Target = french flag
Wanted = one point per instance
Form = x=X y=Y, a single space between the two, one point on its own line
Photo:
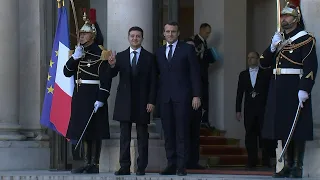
x=56 y=108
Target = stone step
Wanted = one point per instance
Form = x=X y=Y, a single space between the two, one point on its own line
x=209 y=132
x=221 y=150
x=218 y=140
x=193 y=174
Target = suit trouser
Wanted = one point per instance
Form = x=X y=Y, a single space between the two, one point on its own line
x=253 y=136
x=175 y=124
x=125 y=139
x=205 y=98
x=194 y=139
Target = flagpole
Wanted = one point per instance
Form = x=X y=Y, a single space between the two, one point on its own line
x=278 y=16
x=75 y=21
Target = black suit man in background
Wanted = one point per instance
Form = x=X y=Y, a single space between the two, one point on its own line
x=254 y=83
x=200 y=42
x=135 y=100
x=180 y=91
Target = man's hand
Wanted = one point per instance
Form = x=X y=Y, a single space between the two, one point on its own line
x=112 y=59
x=303 y=96
x=150 y=108
x=196 y=103
x=97 y=105
x=78 y=53
x=239 y=116
x=276 y=39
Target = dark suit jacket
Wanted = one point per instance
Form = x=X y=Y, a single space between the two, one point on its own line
x=145 y=82
x=255 y=105
x=179 y=78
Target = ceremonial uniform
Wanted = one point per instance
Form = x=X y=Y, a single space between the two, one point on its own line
x=92 y=74
x=294 y=70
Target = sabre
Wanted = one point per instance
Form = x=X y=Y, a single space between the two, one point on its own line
x=75 y=20
x=290 y=134
x=84 y=130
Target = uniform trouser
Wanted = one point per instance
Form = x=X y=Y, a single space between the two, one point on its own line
x=253 y=141
x=194 y=137
x=92 y=150
x=293 y=159
x=125 y=139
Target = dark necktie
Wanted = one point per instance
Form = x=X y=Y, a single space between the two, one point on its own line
x=134 y=62
x=170 y=53
x=205 y=44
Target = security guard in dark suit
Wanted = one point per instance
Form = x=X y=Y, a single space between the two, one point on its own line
x=292 y=56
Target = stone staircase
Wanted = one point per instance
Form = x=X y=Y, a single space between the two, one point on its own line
x=218 y=151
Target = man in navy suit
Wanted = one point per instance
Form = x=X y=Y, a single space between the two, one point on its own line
x=180 y=90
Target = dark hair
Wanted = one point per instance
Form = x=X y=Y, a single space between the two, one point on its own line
x=255 y=52
x=135 y=28
x=204 y=25
x=172 y=23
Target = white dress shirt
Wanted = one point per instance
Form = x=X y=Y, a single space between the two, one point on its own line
x=253 y=75
x=137 y=55
x=174 y=45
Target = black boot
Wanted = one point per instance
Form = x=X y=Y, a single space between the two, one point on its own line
x=87 y=148
x=299 y=148
x=288 y=160
x=96 y=150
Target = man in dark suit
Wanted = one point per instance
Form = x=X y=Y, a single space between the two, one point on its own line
x=200 y=42
x=180 y=90
x=254 y=83
x=135 y=98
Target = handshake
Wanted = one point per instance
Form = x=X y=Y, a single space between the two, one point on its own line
x=276 y=39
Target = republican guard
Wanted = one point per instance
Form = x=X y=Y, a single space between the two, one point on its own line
x=89 y=67
x=292 y=55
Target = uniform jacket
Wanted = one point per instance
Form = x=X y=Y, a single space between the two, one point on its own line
x=90 y=67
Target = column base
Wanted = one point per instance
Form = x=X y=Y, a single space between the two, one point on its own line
x=9 y=132
x=24 y=155
x=311 y=163
x=35 y=134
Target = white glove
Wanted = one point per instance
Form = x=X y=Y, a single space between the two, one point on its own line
x=78 y=53
x=276 y=39
x=303 y=96
x=97 y=105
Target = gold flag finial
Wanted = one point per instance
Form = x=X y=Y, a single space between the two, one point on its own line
x=59 y=3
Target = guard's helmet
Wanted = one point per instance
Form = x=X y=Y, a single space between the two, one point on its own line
x=293 y=9
x=89 y=26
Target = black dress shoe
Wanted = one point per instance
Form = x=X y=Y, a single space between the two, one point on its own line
x=140 y=172
x=80 y=170
x=92 y=169
x=181 y=172
x=169 y=170
x=122 y=172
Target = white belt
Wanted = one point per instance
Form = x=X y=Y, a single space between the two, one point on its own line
x=279 y=71
x=81 y=81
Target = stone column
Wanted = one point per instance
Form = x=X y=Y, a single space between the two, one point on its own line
x=9 y=70
x=33 y=58
x=310 y=14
